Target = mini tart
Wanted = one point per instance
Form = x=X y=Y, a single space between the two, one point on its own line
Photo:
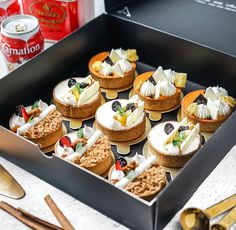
x=162 y=103
x=81 y=112
x=105 y=114
x=114 y=81
x=146 y=185
x=46 y=132
x=97 y=158
x=155 y=143
x=206 y=125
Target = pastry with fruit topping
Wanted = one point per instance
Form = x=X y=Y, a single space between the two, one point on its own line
x=144 y=178
x=122 y=120
x=114 y=69
x=175 y=143
x=88 y=148
x=77 y=97
x=210 y=107
x=39 y=123
x=160 y=90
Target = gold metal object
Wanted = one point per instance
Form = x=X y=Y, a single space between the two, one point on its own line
x=9 y=186
x=226 y=222
x=197 y=219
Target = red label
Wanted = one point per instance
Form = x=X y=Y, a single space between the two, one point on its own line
x=17 y=51
x=8 y=8
x=56 y=18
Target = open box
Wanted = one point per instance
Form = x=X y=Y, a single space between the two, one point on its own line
x=37 y=78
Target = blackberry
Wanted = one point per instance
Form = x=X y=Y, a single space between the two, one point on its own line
x=115 y=105
x=168 y=128
x=71 y=82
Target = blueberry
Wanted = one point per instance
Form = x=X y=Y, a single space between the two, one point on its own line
x=152 y=80
x=115 y=105
x=183 y=128
x=130 y=106
x=83 y=85
x=168 y=128
x=122 y=161
x=108 y=60
x=71 y=82
x=200 y=100
x=18 y=111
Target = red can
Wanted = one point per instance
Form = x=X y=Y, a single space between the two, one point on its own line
x=57 y=18
x=21 y=39
x=8 y=8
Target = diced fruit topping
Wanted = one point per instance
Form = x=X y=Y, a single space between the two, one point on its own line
x=116 y=105
x=108 y=61
x=18 y=111
x=123 y=161
x=96 y=66
x=24 y=113
x=200 y=100
x=65 y=142
x=35 y=105
x=71 y=82
x=118 y=166
x=192 y=108
x=183 y=128
x=152 y=80
x=229 y=100
x=131 y=55
x=180 y=80
x=130 y=106
x=76 y=93
x=168 y=128
x=121 y=118
x=138 y=85
x=83 y=85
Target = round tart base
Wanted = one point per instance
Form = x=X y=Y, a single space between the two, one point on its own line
x=125 y=134
x=206 y=125
x=160 y=104
x=114 y=81
x=81 y=112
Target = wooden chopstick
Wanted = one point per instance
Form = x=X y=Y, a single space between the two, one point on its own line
x=41 y=221
x=21 y=217
x=58 y=213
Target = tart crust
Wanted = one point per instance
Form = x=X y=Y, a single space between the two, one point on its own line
x=162 y=103
x=114 y=81
x=82 y=111
x=46 y=132
x=206 y=125
x=124 y=134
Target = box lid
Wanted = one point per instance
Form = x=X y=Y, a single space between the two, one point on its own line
x=207 y=22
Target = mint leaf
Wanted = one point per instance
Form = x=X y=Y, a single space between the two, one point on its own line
x=120 y=111
x=177 y=141
x=30 y=119
x=35 y=105
x=80 y=133
x=78 y=146
x=77 y=86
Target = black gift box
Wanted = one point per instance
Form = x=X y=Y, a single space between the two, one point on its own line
x=129 y=24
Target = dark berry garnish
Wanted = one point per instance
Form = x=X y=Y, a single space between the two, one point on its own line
x=183 y=128
x=118 y=166
x=200 y=100
x=83 y=85
x=115 y=106
x=203 y=140
x=65 y=142
x=18 y=111
x=152 y=80
x=130 y=106
x=168 y=128
x=122 y=161
x=108 y=60
x=24 y=113
x=71 y=82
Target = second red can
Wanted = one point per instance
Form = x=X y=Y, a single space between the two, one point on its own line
x=57 y=18
x=8 y=8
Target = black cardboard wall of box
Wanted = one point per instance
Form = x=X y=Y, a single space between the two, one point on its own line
x=37 y=78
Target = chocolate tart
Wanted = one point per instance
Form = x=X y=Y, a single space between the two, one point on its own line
x=162 y=103
x=206 y=125
x=112 y=81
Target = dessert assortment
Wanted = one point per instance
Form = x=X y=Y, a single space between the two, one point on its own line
x=210 y=107
x=144 y=178
x=40 y=123
x=160 y=90
x=114 y=69
x=170 y=144
x=86 y=147
x=77 y=97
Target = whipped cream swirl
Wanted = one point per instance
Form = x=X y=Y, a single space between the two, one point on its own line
x=167 y=89
x=202 y=112
x=105 y=69
x=170 y=75
x=223 y=108
x=147 y=89
x=125 y=65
